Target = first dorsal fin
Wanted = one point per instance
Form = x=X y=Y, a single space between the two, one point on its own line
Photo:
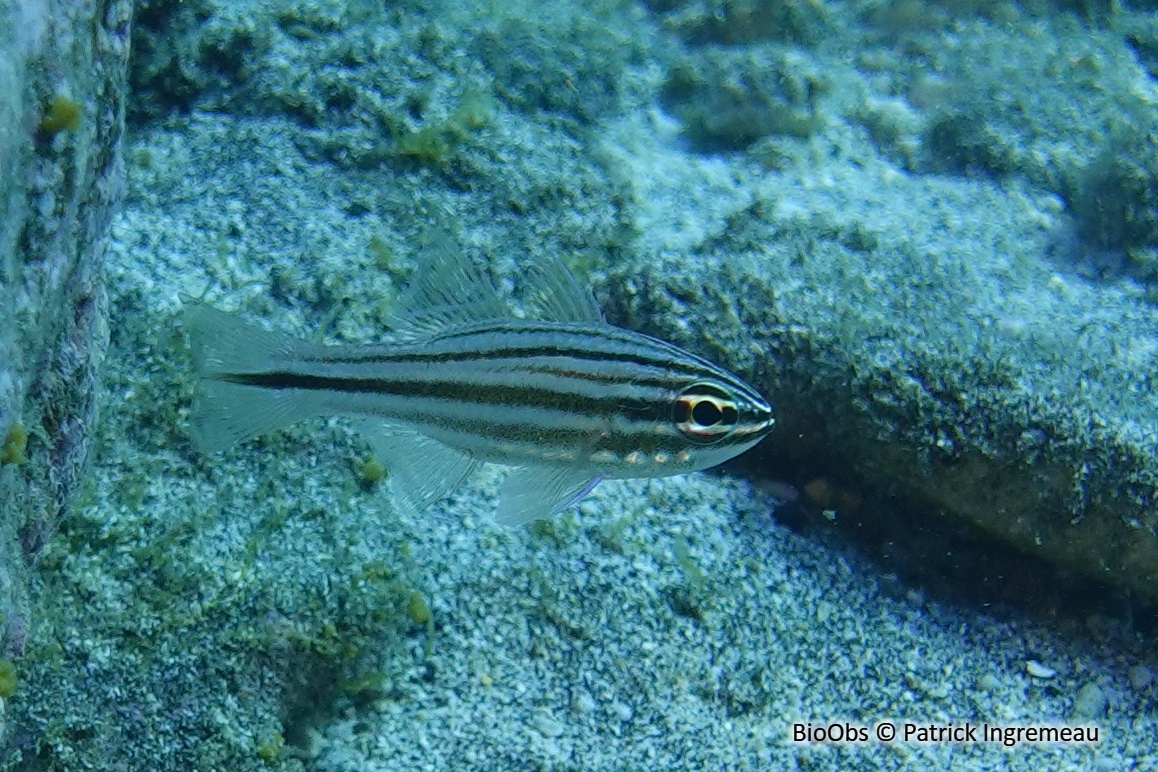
x=448 y=290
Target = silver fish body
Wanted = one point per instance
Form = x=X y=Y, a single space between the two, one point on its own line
x=564 y=401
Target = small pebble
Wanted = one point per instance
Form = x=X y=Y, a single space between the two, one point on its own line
x=1140 y=676
x=1090 y=702
x=582 y=703
x=545 y=724
x=988 y=683
x=1038 y=670
x=621 y=711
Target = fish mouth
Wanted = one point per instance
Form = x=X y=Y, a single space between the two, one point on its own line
x=757 y=428
x=769 y=419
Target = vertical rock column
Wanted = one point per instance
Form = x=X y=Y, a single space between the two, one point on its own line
x=63 y=85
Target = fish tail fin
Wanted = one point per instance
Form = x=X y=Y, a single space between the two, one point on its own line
x=226 y=411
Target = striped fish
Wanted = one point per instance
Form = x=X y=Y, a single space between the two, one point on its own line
x=562 y=397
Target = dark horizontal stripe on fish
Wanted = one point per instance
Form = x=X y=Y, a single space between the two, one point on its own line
x=464 y=392
x=670 y=373
x=579 y=378
x=560 y=427
x=514 y=357
x=575 y=433
x=542 y=430
x=558 y=340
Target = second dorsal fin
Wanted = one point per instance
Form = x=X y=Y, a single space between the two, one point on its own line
x=551 y=292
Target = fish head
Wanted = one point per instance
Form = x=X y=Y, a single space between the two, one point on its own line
x=719 y=418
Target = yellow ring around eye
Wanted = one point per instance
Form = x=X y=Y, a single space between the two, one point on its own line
x=684 y=413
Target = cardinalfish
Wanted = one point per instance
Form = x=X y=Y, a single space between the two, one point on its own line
x=560 y=396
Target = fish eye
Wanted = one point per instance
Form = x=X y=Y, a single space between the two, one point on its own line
x=704 y=412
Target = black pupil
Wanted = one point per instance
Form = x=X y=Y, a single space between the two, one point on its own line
x=706 y=413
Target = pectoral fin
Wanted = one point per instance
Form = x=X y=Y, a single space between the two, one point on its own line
x=422 y=470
